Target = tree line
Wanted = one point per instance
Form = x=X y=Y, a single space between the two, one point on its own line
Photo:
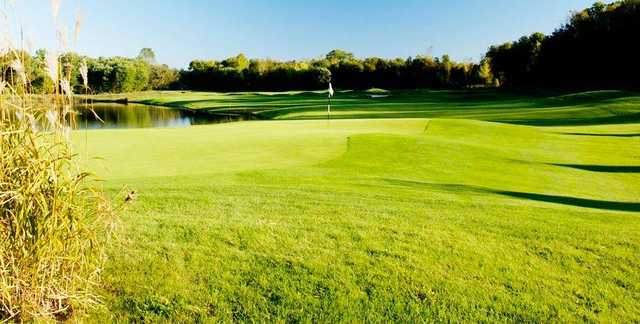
x=105 y=74
x=238 y=73
x=596 y=49
x=341 y=67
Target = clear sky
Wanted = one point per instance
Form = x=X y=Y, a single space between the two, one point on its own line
x=182 y=30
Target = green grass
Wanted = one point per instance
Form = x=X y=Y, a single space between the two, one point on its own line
x=380 y=219
x=543 y=109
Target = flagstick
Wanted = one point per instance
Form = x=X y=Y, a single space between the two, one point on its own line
x=329 y=95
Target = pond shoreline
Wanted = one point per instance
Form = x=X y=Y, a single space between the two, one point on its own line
x=112 y=114
x=246 y=115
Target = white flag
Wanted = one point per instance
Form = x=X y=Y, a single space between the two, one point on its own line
x=331 y=92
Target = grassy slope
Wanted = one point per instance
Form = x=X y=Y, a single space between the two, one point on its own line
x=490 y=105
x=375 y=219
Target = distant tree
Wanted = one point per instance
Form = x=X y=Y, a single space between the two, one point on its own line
x=594 y=50
x=319 y=77
x=33 y=68
x=118 y=74
x=482 y=74
x=514 y=63
x=162 y=77
x=444 y=72
x=348 y=73
x=239 y=62
x=70 y=69
x=147 y=55
x=238 y=73
x=336 y=56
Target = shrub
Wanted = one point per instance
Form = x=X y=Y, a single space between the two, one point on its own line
x=53 y=224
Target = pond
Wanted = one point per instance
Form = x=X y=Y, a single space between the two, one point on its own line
x=114 y=115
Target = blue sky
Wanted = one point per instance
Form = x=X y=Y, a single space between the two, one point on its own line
x=182 y=30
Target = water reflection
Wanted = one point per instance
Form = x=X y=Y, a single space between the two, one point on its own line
x=111 y=115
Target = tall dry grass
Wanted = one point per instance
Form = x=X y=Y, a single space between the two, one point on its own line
x=53 y=223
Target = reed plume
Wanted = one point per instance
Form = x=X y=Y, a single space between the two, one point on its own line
x=54 y=223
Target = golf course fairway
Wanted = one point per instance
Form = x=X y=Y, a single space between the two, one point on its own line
x=373 y=220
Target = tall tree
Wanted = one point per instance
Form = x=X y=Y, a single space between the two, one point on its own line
x=147 y=55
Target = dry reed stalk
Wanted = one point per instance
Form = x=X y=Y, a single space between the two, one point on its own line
x=53 y=223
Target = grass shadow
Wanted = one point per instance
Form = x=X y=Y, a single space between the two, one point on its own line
x=572 y=201
x=602 y=168
x=441 y=186
x=555 y=199
x=621 y=119
x=603 y=135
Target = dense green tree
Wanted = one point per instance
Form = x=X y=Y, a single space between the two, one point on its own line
x=118 y=74
x=343 y=68
x=337 y=56
x=514 y=63
x=239 y=62
x=596 y=49
x=482 y=75
x=162 y=77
